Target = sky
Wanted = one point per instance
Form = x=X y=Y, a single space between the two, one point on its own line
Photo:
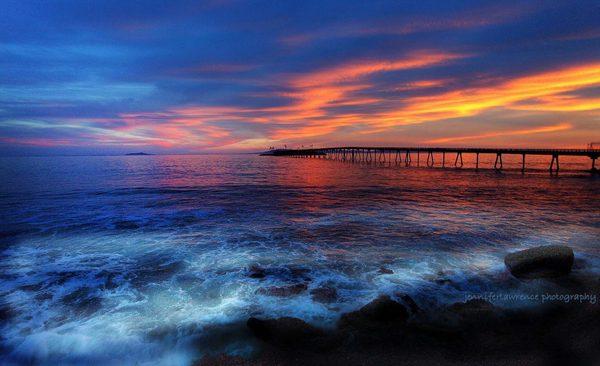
x=111 y=77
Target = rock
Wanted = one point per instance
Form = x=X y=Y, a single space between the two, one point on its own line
x=472 y=307
x=256 y=272
x=324 y=294
x=408 y=301
x=284 y=332
x=473 y=312
x=384 y=309
x=283 y=291
x=540 y=262
x=381 y=312
x=384 y=270
x=222 y=360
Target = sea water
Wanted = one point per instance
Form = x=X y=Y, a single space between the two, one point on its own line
x=148 y=259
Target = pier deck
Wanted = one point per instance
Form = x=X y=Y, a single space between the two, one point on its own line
x=405 y=154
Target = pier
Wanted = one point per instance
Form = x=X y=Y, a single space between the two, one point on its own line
x=424 y=156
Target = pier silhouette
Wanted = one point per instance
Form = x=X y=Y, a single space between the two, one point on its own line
x=412 y=156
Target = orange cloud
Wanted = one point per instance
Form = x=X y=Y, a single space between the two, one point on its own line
x=350 y=72
x=545 y=129
x=316 y=92
x=180 y=127
x=559 y=103
x=315 y=95
x=546 y=87
x=323 y=89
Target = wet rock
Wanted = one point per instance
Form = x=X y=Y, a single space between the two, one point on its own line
x=256 y=272
x=581 y=283
x=410 y=303
x=381 y=312
x=384 y=270
x=218 y=337
x=284 y=332
x=544 y=336
x=283 y=291
x=284 y=273
x=324 y=295
x=222 y=360
x=476 y=306
x=540 y=262
x=477 y=311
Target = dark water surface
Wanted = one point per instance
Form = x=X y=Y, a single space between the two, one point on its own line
x=145 y=259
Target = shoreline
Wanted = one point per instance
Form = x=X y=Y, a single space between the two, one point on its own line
x=562 y=328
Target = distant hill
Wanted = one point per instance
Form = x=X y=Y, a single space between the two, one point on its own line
x=138 y=153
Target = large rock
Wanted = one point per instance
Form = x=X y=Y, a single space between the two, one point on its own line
x=380 y=313
x=410 y=303
x=284 y=332
x=539 y=262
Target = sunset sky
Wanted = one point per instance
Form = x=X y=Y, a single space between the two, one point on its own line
x=104 y=77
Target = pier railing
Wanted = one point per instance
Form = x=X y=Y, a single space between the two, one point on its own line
x=406 y=155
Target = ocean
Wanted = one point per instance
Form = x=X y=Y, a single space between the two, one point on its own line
x=161 y=259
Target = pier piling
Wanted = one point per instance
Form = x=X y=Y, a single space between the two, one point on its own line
x=458 y=156
x=383 y=155
x=498 y=160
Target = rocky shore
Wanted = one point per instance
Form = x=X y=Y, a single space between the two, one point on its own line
x=394 y=330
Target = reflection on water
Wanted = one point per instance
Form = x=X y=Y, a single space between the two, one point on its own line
x=147 y=259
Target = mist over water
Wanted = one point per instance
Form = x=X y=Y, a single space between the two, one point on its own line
x=147 y=259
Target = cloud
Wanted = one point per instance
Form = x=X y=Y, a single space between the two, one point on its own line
x=465 y=19
x=538 y=130
x=183 y=76
x=510 y=94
